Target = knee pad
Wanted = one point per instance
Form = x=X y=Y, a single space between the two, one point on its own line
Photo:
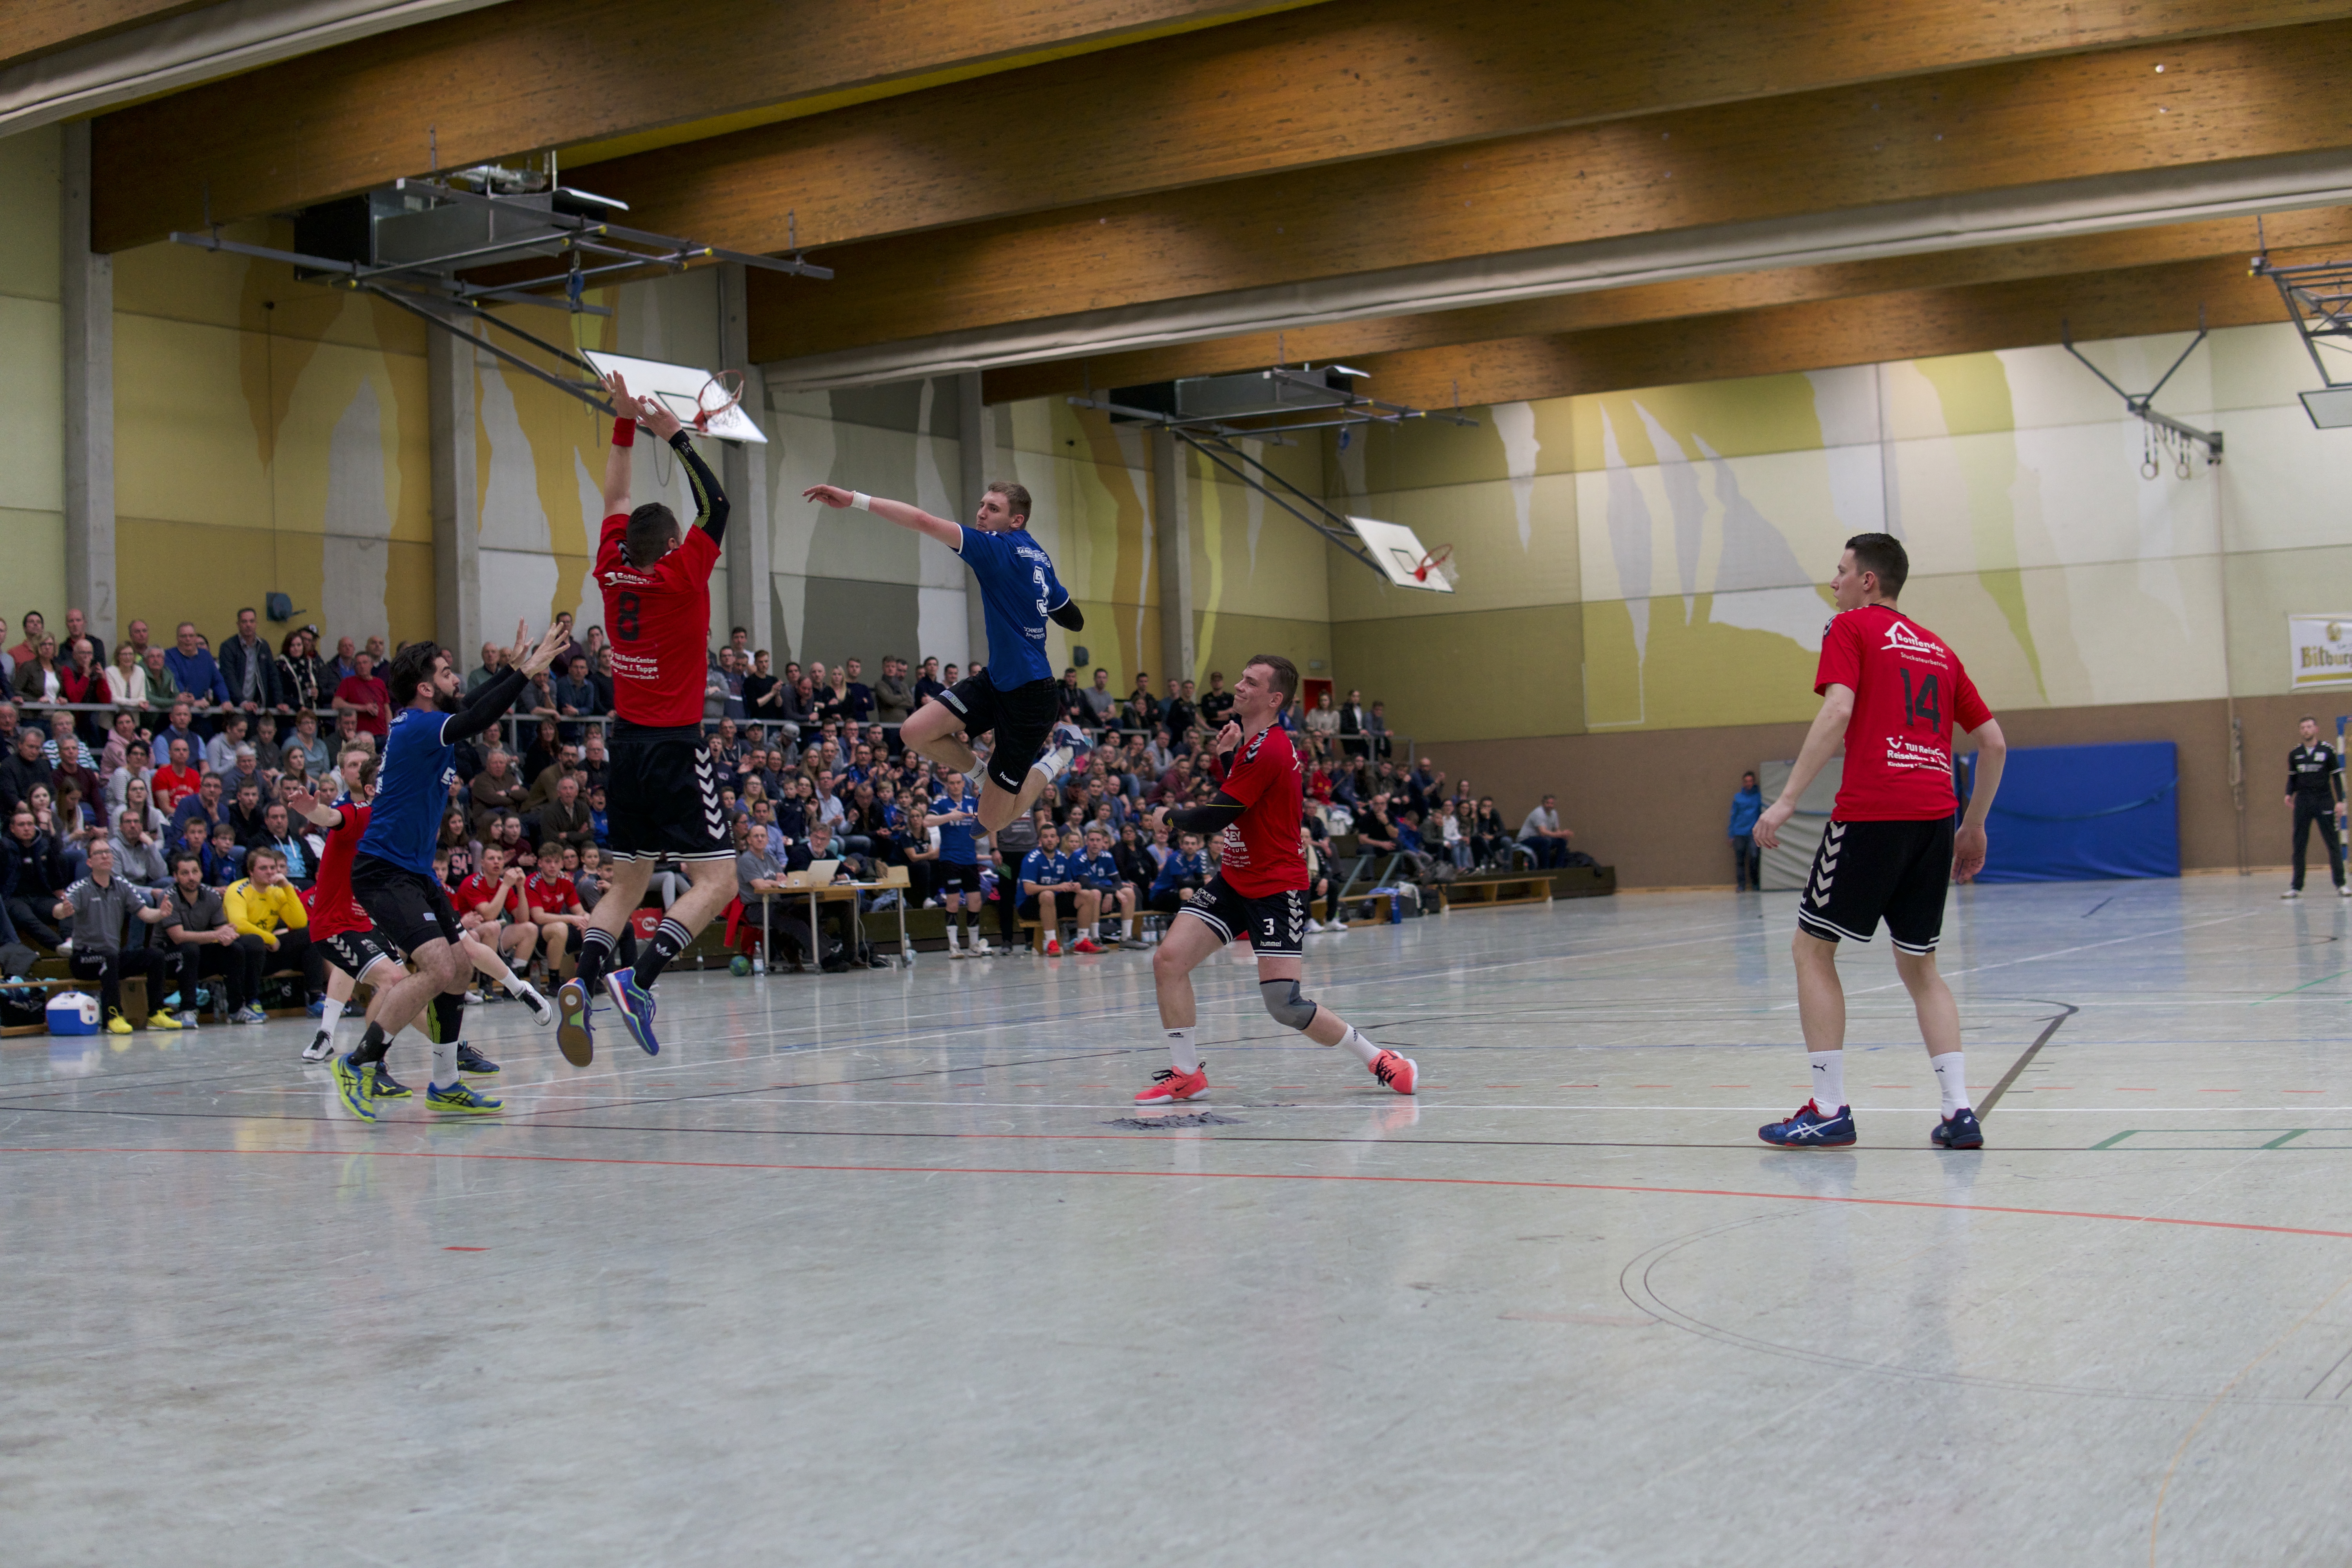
x=1287 y=1007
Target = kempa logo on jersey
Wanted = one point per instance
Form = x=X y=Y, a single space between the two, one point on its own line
x=1901 y=638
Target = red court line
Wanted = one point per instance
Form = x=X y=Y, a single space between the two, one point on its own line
x=1228 y=1176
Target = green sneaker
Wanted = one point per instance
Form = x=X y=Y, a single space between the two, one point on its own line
x=461 y=1100
x=351 y=1083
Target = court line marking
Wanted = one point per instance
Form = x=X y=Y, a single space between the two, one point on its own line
x=1222 y=1176
x=2032 y=1051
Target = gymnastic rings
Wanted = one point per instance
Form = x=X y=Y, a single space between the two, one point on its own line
x=2150 y=468
x=2183 y=470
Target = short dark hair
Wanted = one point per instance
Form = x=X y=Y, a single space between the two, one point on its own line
x=652 y=529
x=186 y=857
x=1883 y=555
x=1017 y=497
x=412 y=666
x=1286 y=674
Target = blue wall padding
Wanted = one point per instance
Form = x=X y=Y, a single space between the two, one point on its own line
x=2080 y=814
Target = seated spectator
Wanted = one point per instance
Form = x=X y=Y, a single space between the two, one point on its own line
x=552 y=894
x=457 y=843
x=161 y=687
x=33 y=872
x=544 y=751
x=268 y=753
x=22 y=770
x=247 y=818
x=71 y=770
x=277 y=833
x=179 y=774
x=118 y=742
x=137 y=855
x=597 y=818
x=565 y=820
x=136 y=798
x=264 y=904
x=220 y=861
x=100 y=908
x=894 y=695
x=81 y=681
x=757 y=871
x=494 y=792
x=1184 y=872
x=1542 y=836
x=493 y=905
x=205 y=803
x=197 y=924
x=1450 y=840
x=307 y=740
x=1375 y=833
x=181 y=728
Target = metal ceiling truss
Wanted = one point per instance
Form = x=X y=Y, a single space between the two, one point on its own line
x=2139 y=404
x=1300 y=400
x=434 y=288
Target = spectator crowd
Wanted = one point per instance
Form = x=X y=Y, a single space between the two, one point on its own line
x=145 y=795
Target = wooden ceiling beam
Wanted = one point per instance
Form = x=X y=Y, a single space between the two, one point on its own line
x=530 y=75
x=1823 y=334
x=1330 y=84
x=44 y=27
x=1943 y=134
x=1355 y=342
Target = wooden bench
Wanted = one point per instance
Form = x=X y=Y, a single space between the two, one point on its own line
x=1377 y=905
x=1494 y=892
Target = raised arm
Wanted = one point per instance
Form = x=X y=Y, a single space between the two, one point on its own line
x=627 y=412
x=947 y=533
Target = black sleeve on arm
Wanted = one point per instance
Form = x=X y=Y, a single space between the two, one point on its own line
x=709 y=501
x=489 y=703
x=1066 y=614
x=1209 y=818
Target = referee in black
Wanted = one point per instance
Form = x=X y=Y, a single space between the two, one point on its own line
x=2314 y=788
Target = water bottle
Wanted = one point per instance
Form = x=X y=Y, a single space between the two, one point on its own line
x=760 y=960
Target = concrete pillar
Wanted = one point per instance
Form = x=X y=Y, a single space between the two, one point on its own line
x=975 y=448
x=456 y=496
x=743 y=475
x=1171 y=529
x=86 y=292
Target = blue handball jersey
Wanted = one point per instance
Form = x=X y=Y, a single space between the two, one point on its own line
x=1044 y=870
x=412 y=792
x=956 y=847
x=1017 y=588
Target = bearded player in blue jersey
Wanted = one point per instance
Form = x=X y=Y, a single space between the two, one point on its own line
x=1017 y=696
x=392 y=872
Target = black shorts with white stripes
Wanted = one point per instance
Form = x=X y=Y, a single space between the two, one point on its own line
x=1868 y=871
x=661 y=796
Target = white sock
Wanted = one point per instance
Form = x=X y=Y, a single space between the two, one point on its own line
x=444 y=1064
x=327 y=1020
x=1182 y=1053
x=952 y=931
x=1052 y=764
x=1952 y=1080
x=1365 y=1051
x=1829 y=1080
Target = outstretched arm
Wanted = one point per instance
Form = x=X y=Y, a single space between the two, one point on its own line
x=947 y=533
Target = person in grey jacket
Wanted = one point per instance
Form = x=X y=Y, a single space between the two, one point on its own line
x=138 y=858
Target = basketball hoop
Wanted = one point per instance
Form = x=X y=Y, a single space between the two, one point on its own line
x=719 y=394
x=1438 y=563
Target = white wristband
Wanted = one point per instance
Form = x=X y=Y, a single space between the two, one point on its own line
x=861 y=501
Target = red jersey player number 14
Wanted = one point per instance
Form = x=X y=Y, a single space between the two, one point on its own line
x=1909 y=690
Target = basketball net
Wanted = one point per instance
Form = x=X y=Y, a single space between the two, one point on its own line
x=1438 y=563
x=719 y=394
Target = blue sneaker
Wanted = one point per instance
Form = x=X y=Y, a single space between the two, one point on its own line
x=461 y=1099
x=1811 y=1128
x=572 y=1037
x=635 y=1004
x=1960 y=1130
x=351 y=1083
x=319 y=1008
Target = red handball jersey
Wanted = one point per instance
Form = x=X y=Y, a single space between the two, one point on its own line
x=660 y=621
x=1258 y=853
x=334 y=911
x=1908 y=691
x=553 y=892
x=508 y=904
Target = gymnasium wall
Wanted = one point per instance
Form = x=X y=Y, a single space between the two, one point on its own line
x=1641 y=566
x=32 y=480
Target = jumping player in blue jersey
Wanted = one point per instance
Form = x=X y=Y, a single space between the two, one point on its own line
x=392 y=872
x=1016 y=697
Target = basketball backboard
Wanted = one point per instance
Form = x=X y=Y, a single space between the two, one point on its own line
x=680 y=388
x=1399 y=555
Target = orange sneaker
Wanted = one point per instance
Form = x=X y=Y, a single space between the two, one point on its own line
x=1398 y=1072
x=1085 y=944
x=1169 y=1085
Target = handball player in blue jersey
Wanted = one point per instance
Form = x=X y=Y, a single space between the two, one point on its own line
x=392 y=871
x=1017 y=696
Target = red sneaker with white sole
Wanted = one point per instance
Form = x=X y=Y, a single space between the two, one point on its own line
x=1053 y=947
x=1169 y=1085
x=1398 y=1072
x=1085 y=944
